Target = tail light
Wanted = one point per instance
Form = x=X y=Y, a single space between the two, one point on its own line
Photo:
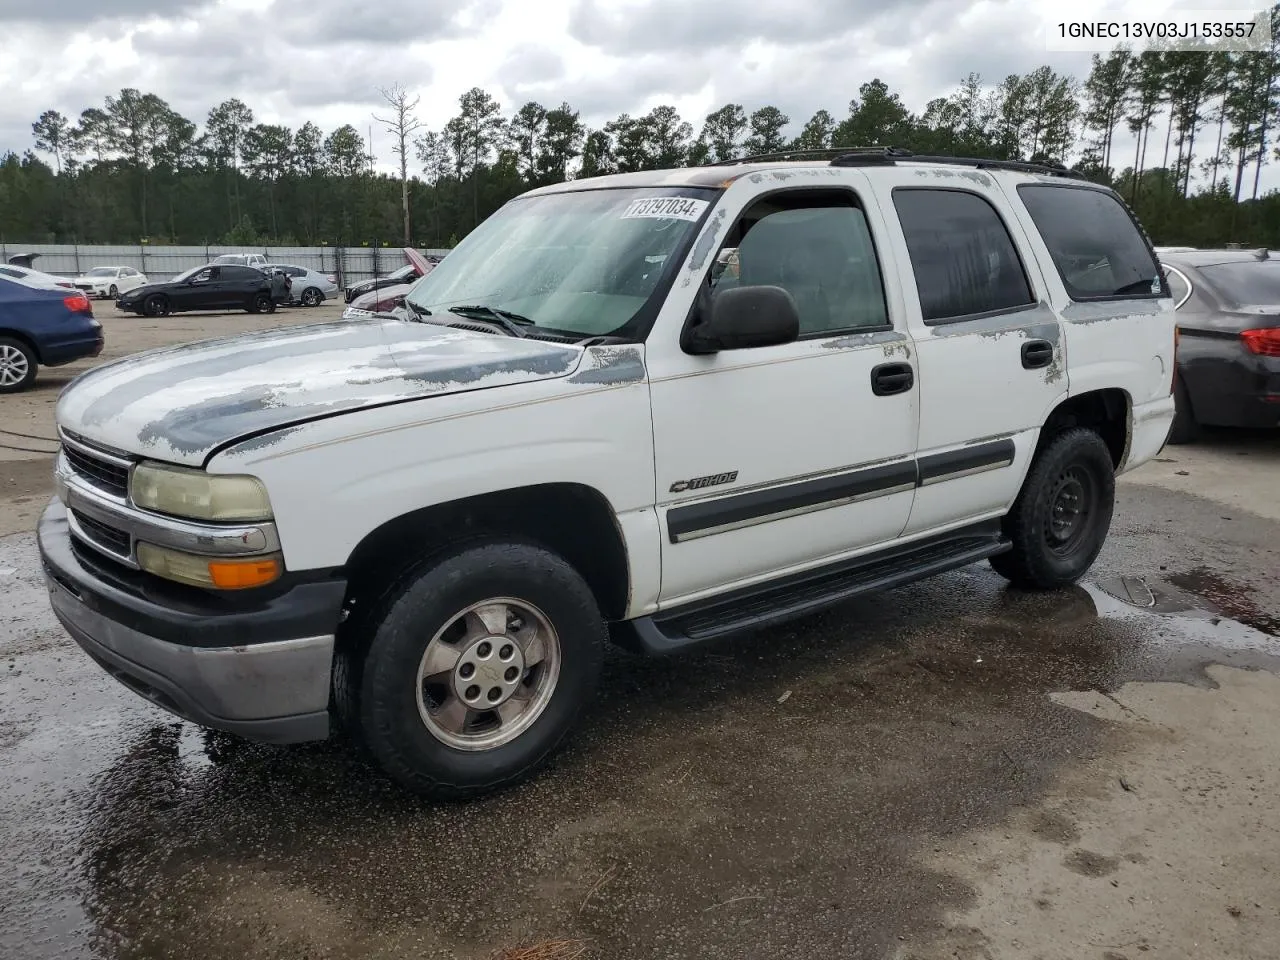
x=1265 y=343
x=78 y=303
x=332 y=279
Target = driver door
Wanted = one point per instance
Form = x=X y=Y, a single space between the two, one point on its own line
x=775 y=459
x=197 y=292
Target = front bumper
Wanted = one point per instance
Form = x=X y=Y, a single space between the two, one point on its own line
x=261 y=672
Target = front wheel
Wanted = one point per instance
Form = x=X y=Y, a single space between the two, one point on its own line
x=477 y=669
x=1062 y=515
x=113 y=292
x=156 y=305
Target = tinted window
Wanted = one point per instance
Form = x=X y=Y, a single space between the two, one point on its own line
x=1246 y=284
x=962 y=255
x=241 y=274
x=817 y=248
x=1098 y=250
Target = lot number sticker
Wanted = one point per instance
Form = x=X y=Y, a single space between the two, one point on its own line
x=666 y=208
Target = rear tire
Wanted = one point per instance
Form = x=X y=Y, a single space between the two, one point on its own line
x=1062 y=515
x=311 y=297
x=1184 y=429
x=262 y=303
x=424 y=681
x=17 y=365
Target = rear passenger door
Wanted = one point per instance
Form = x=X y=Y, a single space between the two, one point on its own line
x=988 y=344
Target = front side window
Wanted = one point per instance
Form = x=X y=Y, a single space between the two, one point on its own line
x=815 y=245
x=582 y=264
x=1094 y=242
x=965 y=262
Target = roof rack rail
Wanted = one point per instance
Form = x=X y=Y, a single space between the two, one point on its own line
x=868 y=156
x=815 y=154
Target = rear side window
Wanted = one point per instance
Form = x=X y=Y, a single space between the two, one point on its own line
x=1246 y=284
x=1098 y=249
x=965 y=262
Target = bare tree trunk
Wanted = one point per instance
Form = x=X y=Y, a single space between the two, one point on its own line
x=1168 y=138
x=1217 y=151
x=1262 y=144
x=1191 y=156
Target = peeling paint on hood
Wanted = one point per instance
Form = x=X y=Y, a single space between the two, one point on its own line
x=181 y=403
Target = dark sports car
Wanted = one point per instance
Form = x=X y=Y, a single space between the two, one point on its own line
x=210 y=287
x=1228 y=339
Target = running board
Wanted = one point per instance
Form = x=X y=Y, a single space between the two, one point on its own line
x=776 y=602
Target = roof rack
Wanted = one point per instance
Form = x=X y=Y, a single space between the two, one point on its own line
x=874 y=156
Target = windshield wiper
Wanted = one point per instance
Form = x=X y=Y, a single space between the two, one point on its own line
x=419 y=311
x=508 y=321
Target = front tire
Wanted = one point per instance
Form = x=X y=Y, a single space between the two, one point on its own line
x=478 y=666
x=156 y=305
x=17 y=365
x=113 y=292
x=1062 y=515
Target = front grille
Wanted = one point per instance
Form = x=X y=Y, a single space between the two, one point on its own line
x=103 y=535
x=84 y=286
x=103 y=474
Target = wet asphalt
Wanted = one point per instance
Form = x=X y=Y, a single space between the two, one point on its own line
x=773 y=796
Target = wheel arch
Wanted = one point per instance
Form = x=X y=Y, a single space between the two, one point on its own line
x=25 y=339
x=1108 y=411
x=573 y=520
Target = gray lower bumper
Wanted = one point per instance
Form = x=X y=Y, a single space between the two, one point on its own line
x=276 y=692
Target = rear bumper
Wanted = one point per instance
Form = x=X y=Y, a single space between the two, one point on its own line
x=268 y=683
x=88 y=343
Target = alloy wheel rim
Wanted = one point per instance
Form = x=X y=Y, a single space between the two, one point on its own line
x=14 y=366
x=488 y=674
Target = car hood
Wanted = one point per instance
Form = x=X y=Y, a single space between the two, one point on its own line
x=384 y=294
x=181 y=404
x=94 y=280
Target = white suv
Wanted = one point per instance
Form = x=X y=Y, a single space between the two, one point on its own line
x=661 y=407
x=242 y=259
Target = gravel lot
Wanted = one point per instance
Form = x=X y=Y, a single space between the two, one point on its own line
x=950 y=770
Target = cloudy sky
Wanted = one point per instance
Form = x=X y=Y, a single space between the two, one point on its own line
x=324 y=60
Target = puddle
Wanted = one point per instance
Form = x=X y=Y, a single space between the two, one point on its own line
x=755 y=798
x=1227 y=598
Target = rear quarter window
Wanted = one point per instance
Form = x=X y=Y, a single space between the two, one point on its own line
x=1096 y=246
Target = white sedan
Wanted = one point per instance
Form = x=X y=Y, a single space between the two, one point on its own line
x=32 y=278
x=309 y=287
x=110 y=282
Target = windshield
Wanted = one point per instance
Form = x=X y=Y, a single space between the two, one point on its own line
x=585 y=263
x=102 y=272
x=1246 y=284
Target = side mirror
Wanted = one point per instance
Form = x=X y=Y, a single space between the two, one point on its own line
x=743 y=317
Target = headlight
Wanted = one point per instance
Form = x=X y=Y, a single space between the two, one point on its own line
x=222 y=574
x=199 y=495
x=355 y=313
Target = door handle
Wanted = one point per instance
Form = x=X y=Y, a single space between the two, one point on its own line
x=890 y=378
x=1037 y=353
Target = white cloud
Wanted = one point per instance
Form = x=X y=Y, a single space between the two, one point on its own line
x=323 y=60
